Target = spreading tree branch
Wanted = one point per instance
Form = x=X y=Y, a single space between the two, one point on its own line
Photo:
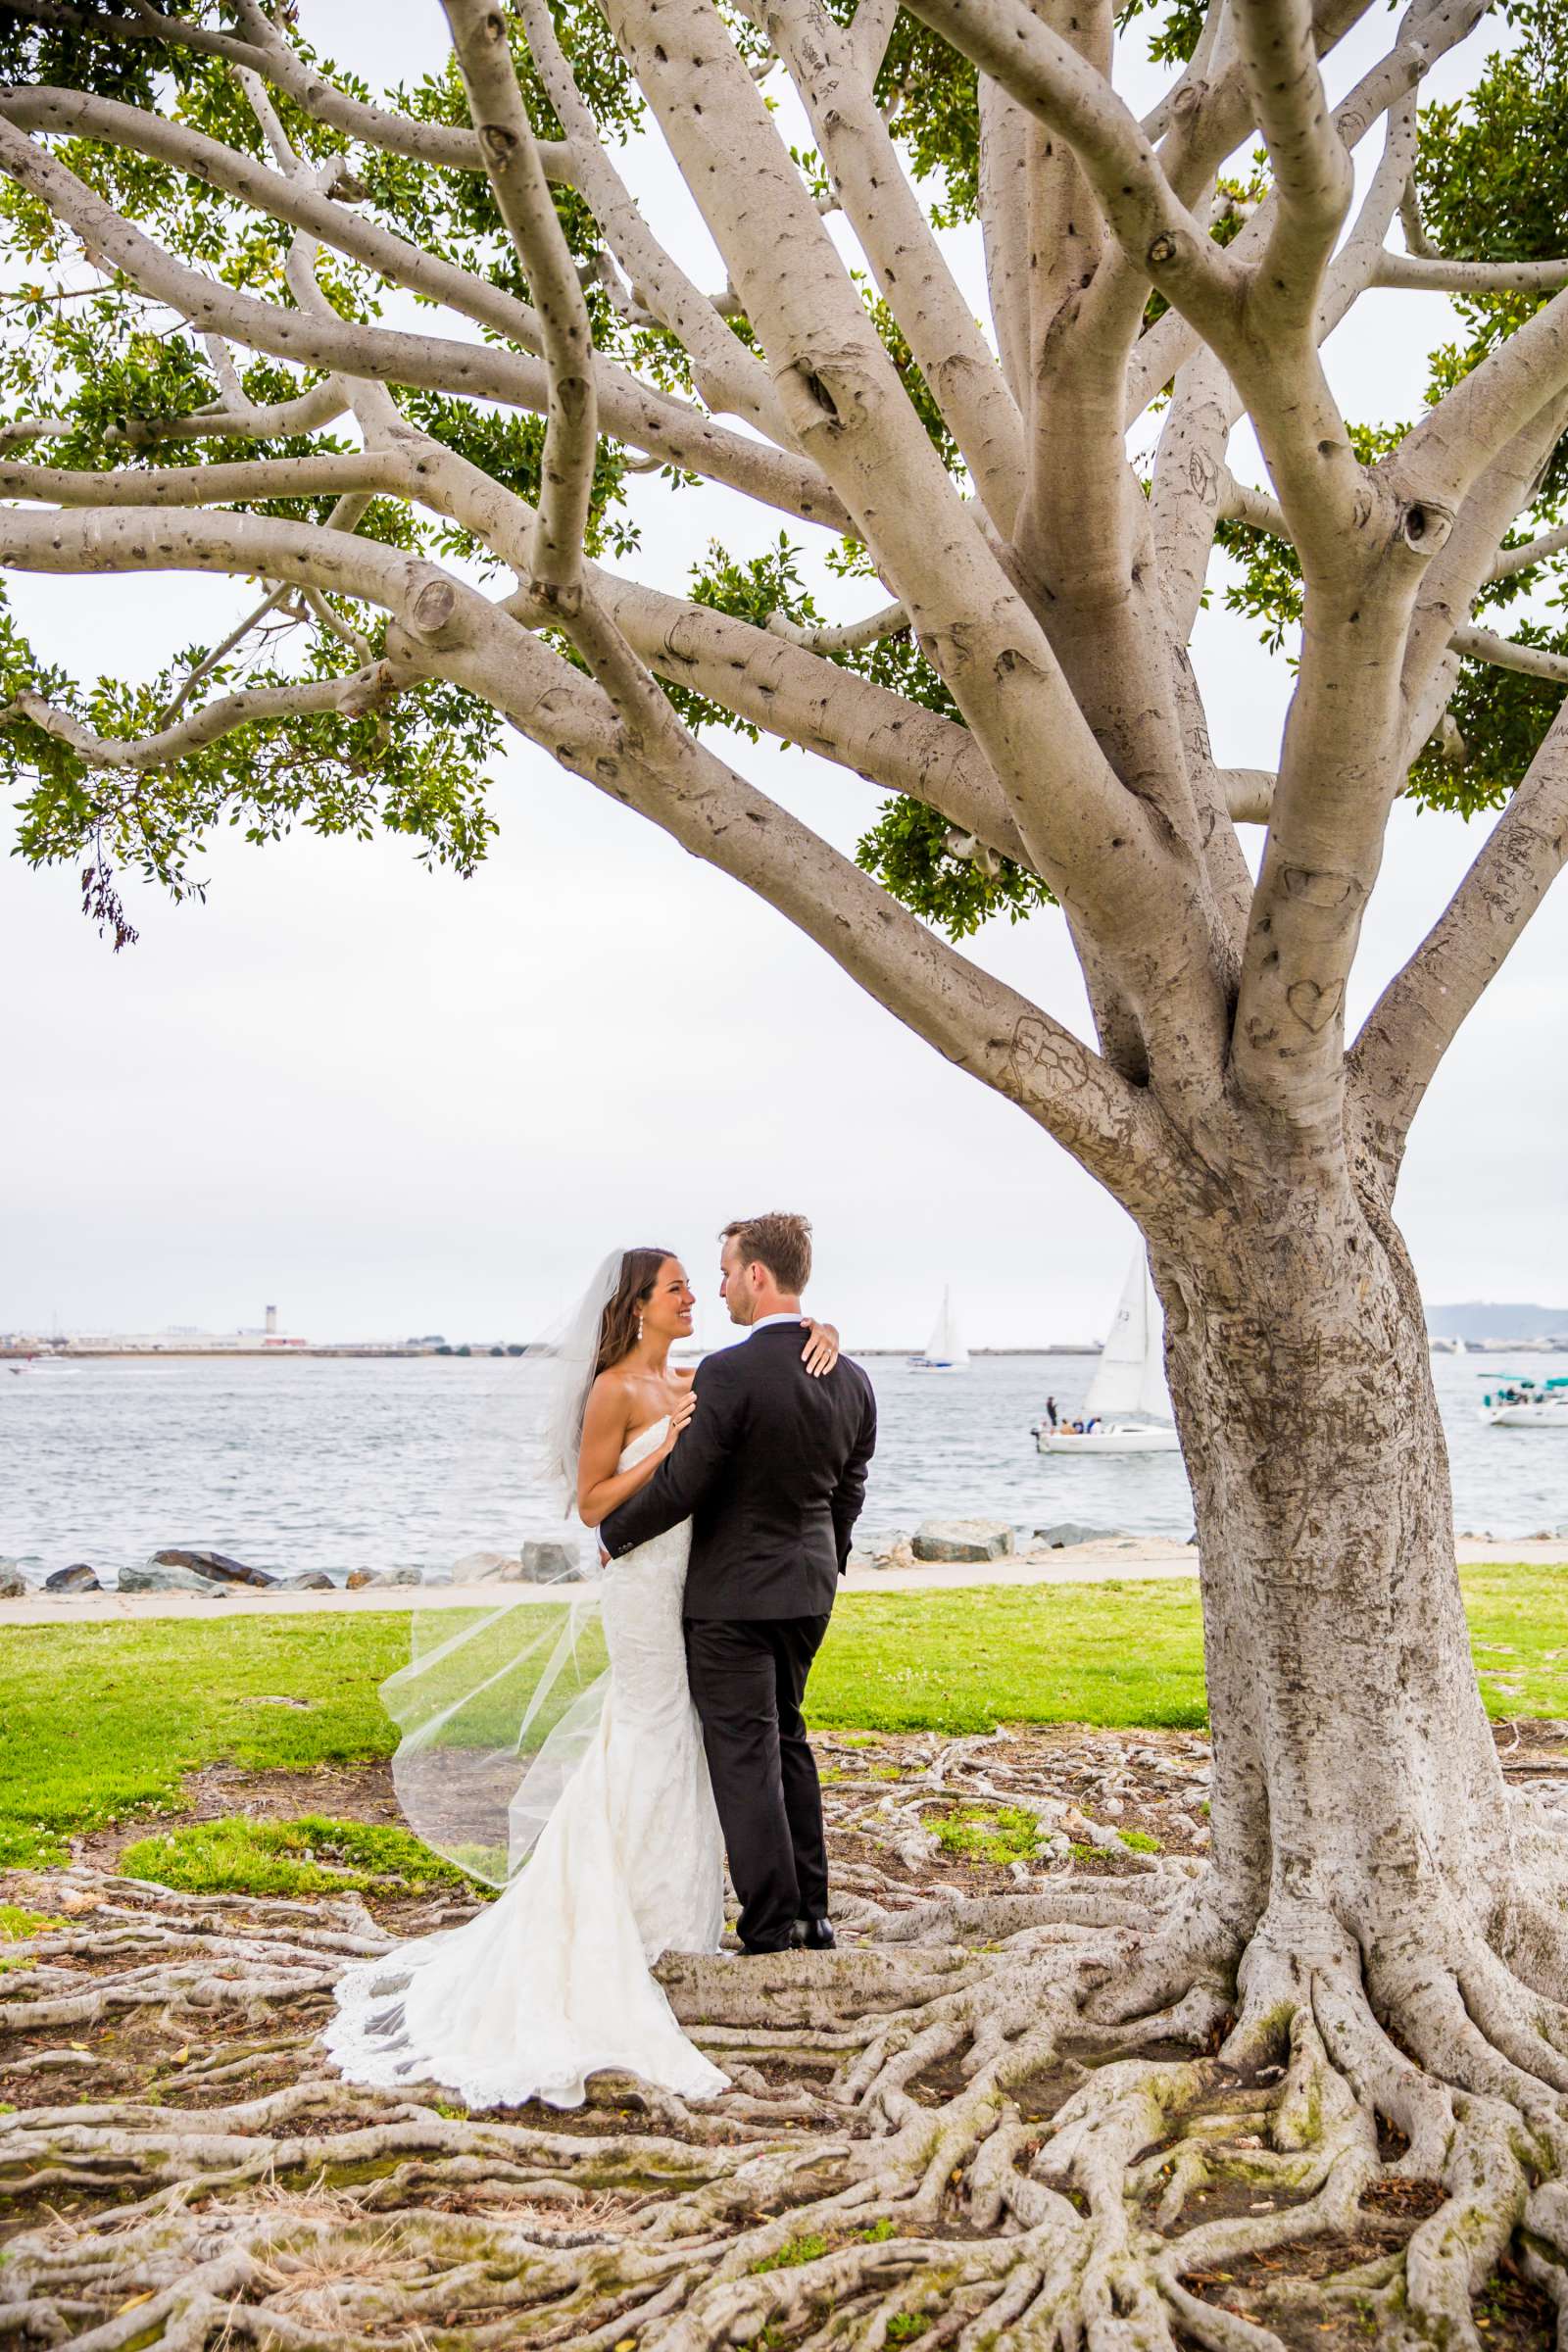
x=632 y=413
x=884 y=211
x=512 y=160
x=352 y=696
x=1045 y=76
x=1435 y=273
x=446 y=147
x=1536 y=550
x=1308 y=159
x=725 y=374
x=1503 y=653
x=1422 y=1009
x=1442 y=457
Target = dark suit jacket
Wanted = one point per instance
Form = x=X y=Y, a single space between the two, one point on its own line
x=771 y=1470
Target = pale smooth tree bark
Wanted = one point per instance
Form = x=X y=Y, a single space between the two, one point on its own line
x=1370 y=1972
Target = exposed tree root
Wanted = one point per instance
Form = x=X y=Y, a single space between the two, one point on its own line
x=1080 y=2117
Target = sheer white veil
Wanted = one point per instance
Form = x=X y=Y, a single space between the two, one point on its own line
x=575 y=1351
x=498 y=1703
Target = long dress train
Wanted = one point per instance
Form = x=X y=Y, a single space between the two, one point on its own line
x=550 y=1983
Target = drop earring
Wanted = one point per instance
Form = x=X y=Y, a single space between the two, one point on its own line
x=639 y=1326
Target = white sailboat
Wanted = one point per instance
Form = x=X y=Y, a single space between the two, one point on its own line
x=944 y=1351
x=1129 y=1379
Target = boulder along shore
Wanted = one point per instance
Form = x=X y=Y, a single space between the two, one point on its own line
x=891 y=1567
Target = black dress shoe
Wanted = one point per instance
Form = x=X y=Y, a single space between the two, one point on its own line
x=815 y=1934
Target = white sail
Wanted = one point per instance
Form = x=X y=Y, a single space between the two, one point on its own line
x=946 y=1343
x=1153 y=1396
x=1130 y=1377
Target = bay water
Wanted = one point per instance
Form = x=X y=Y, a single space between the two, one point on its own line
x=339 y=1464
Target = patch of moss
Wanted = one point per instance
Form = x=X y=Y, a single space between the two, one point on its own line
x=17 y=1923
x=1140 y=1841
x=792 y=2254
x=982 y=1834
x=310 y=1856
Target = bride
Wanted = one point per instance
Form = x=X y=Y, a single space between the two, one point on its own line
x=551 y=1983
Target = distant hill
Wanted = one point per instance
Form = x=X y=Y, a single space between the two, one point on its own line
x=1506 y=1319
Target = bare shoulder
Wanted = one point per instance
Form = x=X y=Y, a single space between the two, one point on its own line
x=609 y=1396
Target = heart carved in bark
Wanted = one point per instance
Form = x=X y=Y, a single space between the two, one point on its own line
x=1313 y=1007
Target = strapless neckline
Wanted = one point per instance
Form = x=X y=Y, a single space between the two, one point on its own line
x=642 y=1444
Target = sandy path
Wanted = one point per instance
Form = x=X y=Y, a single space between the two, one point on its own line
x=1130 y=1557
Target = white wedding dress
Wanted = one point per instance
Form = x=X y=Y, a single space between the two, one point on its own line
x=550 y=1983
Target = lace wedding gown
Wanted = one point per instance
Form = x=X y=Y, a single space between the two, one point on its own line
x=550 y=1983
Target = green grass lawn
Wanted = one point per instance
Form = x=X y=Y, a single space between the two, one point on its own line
x=98 y=1721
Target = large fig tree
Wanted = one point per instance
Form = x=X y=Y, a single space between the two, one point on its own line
x=390 y=359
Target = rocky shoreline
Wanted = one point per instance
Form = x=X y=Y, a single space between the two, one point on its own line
x=938 y=1552
x=976 y=1543
x=216 y=1575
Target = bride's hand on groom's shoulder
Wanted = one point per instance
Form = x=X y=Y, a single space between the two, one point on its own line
x=681 y=1413
x=821 y=1350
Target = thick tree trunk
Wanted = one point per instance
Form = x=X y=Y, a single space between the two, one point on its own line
x=1357 y=1790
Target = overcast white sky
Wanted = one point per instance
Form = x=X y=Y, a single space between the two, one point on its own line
x=393 y=1101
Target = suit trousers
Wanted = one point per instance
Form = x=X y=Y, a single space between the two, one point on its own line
x=747 y=1677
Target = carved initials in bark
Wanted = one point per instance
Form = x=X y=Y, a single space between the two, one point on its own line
x=1321 y=889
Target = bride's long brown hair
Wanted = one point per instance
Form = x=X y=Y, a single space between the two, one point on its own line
x=617 y=1326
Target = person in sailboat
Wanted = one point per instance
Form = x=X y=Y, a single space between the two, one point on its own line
x=615 y=1814
x=1127 y=1410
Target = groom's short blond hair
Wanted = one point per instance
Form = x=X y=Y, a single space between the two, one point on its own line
x=780 y=1241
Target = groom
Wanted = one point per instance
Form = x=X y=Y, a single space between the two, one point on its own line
x=771 y=1470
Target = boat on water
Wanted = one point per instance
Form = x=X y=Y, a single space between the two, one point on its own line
x=944 y=1351
x=1525 y=1404
x=1127 y=1410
